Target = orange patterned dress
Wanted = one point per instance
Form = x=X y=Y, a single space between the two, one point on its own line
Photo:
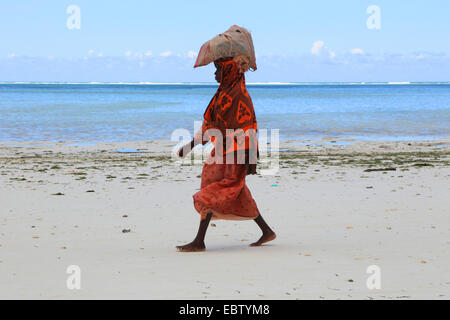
x=223 y=189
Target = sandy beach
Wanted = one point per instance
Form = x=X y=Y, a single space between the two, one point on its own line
x=119 y=215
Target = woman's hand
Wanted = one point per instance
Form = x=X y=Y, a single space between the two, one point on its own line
x=181 y=152
x=186 y=149
x=251 y=168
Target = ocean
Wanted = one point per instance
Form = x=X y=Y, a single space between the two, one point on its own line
x=90 y=113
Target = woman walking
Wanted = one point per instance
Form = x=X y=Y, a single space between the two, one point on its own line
x=230 y=123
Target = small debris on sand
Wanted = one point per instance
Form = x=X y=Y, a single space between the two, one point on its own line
x=380 y=169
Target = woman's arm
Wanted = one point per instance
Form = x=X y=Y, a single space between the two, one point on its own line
x=184 y=150
x=198 y=139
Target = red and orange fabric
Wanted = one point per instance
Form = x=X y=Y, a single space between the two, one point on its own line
x=230 y=112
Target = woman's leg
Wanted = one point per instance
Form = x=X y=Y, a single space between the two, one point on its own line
x=268 y=234
x=199 y=242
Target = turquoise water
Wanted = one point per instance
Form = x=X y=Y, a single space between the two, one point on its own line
x=124 y=112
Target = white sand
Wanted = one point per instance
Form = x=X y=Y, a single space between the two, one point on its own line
x=331 y=225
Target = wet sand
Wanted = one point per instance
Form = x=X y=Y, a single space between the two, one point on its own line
x=119 y=215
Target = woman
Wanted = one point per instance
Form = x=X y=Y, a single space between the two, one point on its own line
x=224 y=194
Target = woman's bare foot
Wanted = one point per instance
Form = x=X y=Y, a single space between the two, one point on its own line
x=266 y=237
x=194 y=246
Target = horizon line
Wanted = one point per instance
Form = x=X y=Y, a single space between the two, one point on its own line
x=213 y=83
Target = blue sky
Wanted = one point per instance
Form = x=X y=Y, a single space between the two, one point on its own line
x=156 y=41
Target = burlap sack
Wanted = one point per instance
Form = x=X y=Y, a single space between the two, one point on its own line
x=236 y=42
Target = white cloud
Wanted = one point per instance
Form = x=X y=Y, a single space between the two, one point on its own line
x=100 y=55
x=148 y=53
x=415 y=66
x=166 y=53
x=192 y=54
x=128 y=53
x=317 y=47
x=357 y=51
x=138 y=55
x=91 y=52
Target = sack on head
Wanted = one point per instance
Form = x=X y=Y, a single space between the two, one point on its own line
x=235 y=43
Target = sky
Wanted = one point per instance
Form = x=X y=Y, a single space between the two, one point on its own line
x=157 y=41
